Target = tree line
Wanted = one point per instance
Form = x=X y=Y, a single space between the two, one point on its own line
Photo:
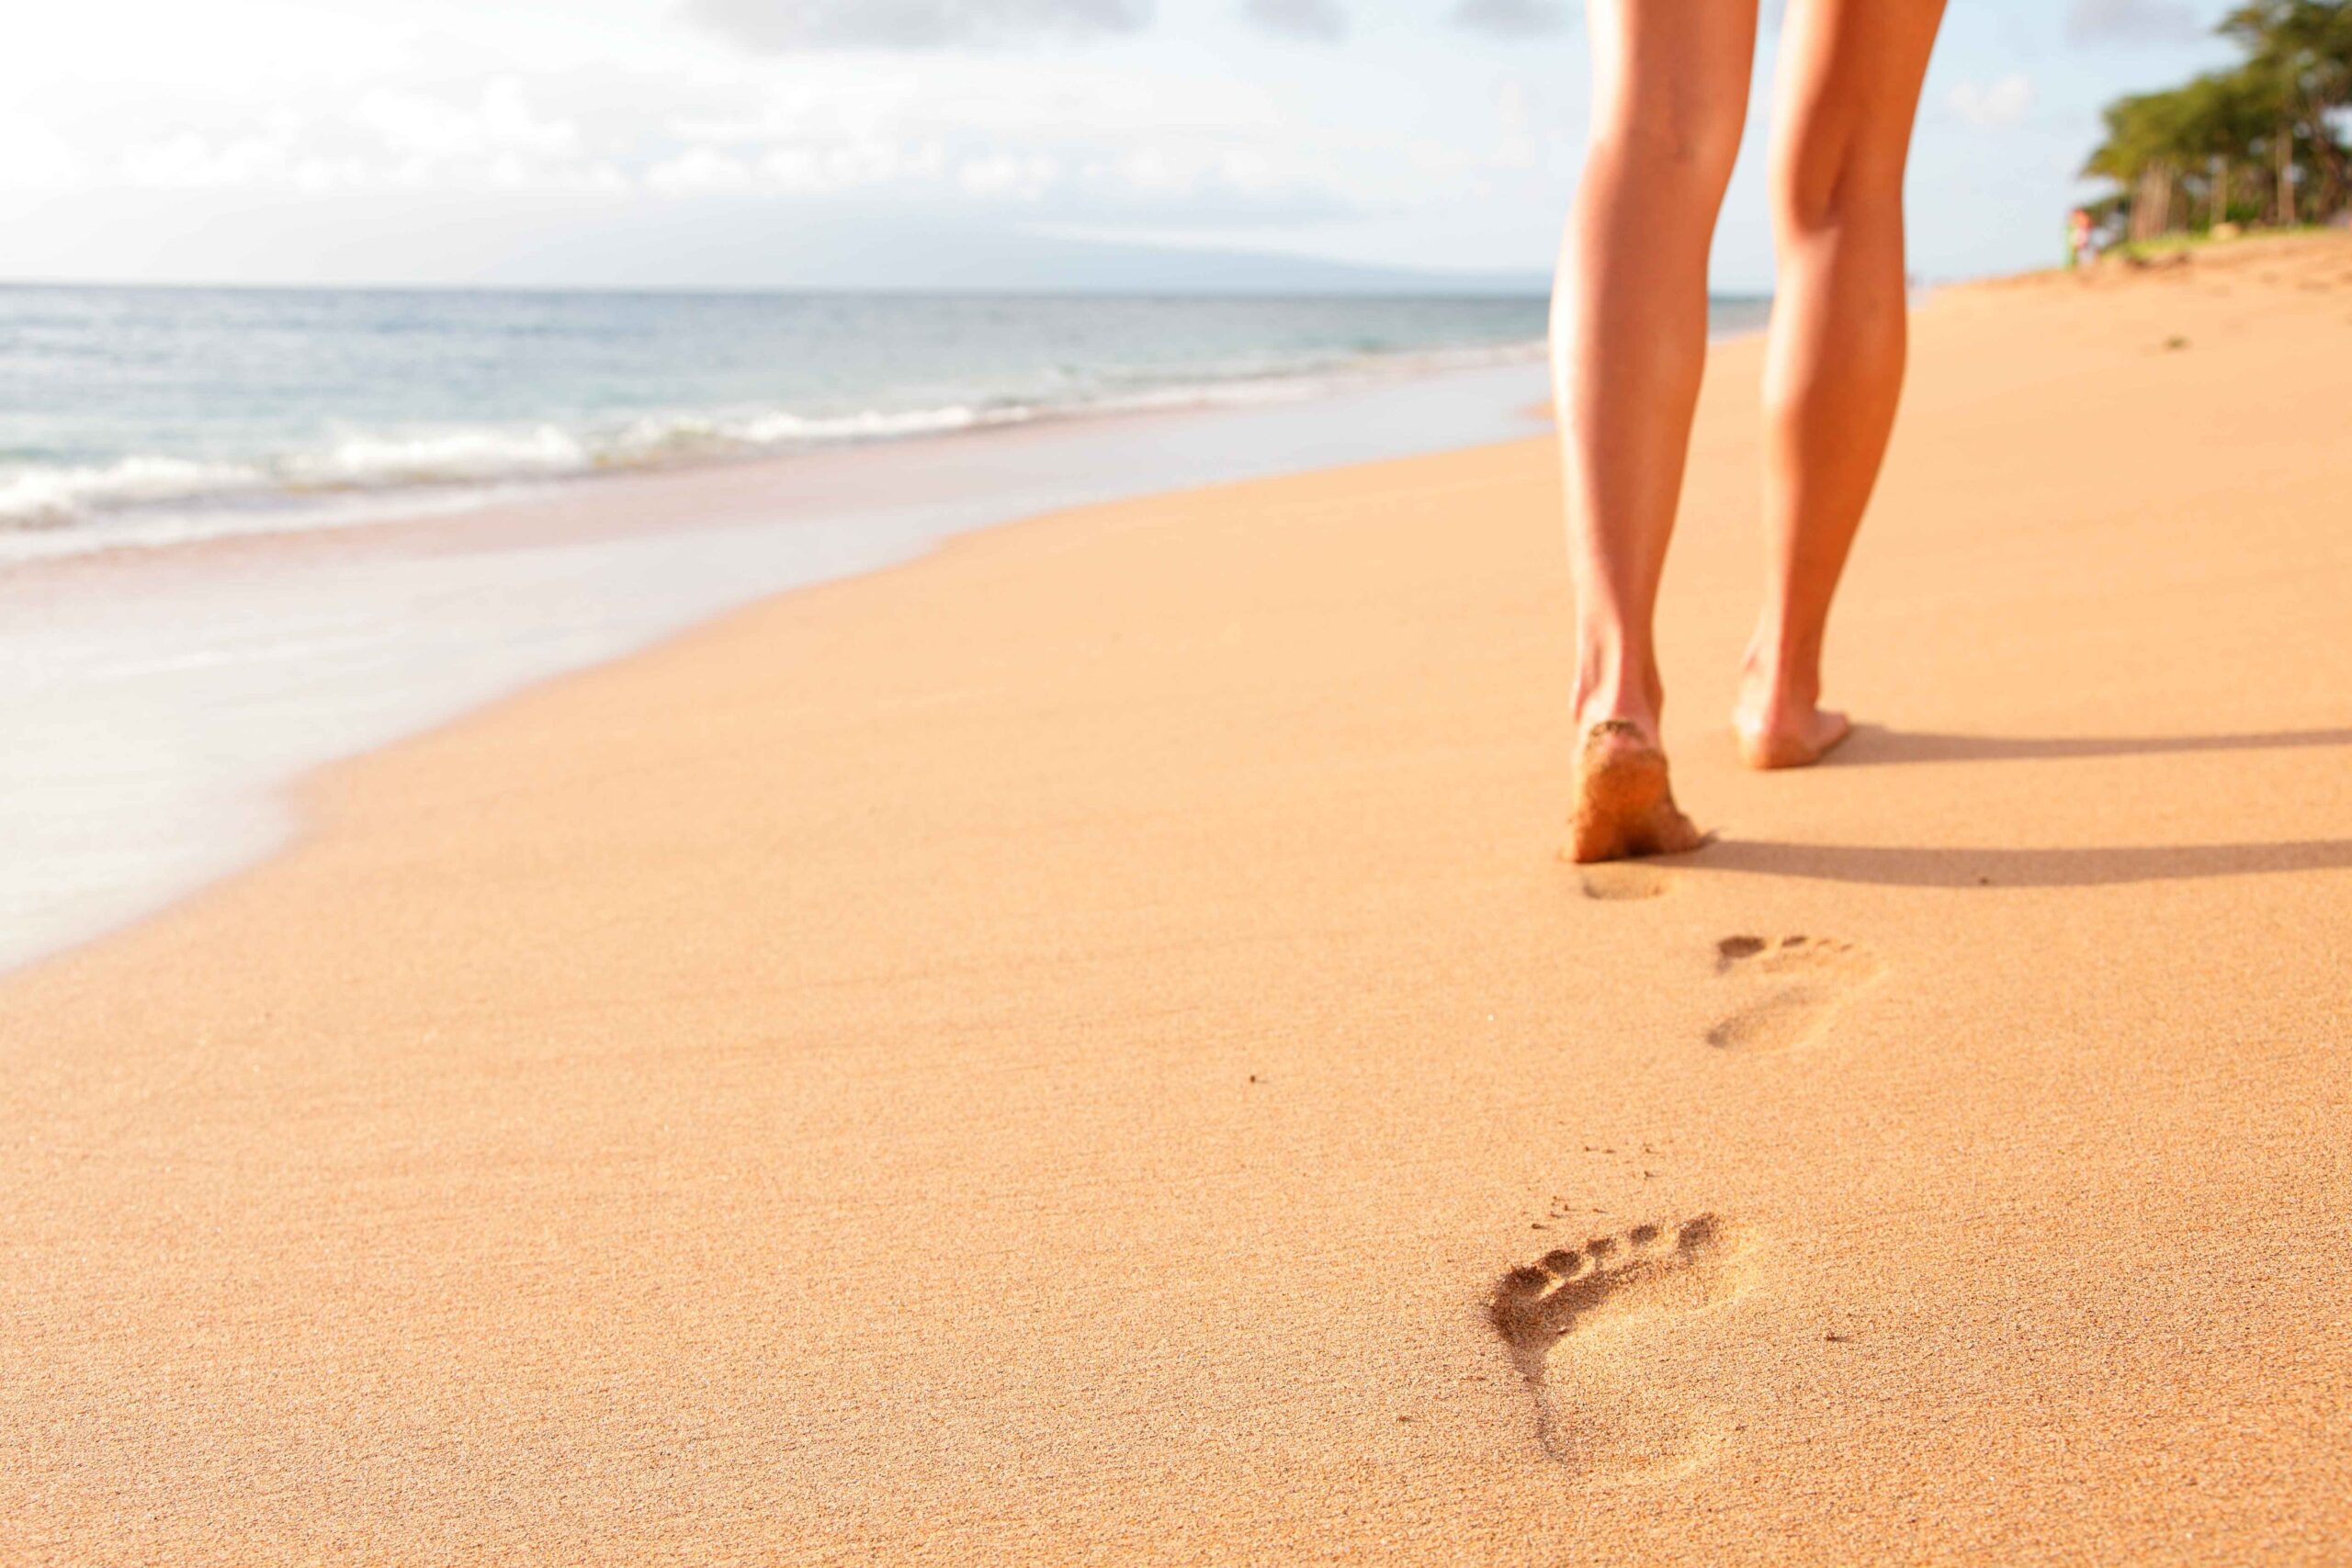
x=2262 y=143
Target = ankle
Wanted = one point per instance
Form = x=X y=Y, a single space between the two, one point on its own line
x=1614 y=690
x=1775 y=677
x=1631 y=711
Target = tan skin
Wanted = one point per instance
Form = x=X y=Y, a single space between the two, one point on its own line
x=1629 y=334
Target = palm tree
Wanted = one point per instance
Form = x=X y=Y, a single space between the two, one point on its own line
x=2220 y=118
x=2149 y=142
x=2302 y=53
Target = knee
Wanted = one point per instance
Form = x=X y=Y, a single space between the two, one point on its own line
x=1823 y=182
x=1683 y=142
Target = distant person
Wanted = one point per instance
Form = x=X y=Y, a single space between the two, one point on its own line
x=2081 y=248
x=1630 y=341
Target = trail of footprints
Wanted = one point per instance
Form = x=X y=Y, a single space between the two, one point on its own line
x=1572 y=1322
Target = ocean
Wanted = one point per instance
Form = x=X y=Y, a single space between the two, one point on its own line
x=150 y=415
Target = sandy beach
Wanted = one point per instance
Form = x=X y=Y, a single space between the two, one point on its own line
x=1081 y=1047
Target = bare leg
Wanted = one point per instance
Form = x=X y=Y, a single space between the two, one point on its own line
x=1629 y=328
x=1849 y=92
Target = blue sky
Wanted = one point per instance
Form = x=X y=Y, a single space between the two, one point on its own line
x=752 y=142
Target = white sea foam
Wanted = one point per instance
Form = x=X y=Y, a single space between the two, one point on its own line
x=655 y=438
x=368 y=462
x=40 y=495
x=150 y=500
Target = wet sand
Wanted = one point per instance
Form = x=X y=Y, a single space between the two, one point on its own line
x=1081 y=1047
x=166 y=695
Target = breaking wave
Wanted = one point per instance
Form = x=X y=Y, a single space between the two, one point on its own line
x=49 y=509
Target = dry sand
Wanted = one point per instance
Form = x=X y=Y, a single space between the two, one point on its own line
x=1080 y=1049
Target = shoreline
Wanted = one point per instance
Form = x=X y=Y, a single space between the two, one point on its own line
x=695 y=542
x=295 y=509
x=1051 y=1052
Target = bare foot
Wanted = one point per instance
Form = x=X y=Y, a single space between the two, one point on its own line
x=1624 y=804
x=1772 y=736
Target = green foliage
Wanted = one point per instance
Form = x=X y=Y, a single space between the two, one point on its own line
x=2221 y=115
x=2279 y=117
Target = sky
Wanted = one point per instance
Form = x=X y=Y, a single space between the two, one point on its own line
x=752 y=143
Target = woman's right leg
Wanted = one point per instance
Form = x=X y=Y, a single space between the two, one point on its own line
x=1629 y=328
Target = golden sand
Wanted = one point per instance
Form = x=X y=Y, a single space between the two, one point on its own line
x=1072 y=1050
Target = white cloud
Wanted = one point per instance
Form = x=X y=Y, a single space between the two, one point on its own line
x=1511 y=19
x=1319 y=19
x=1159 y=173
x=501 y=123
x=34 y=157
x=1081 y=181
x=375 y=131
x=774 y=27
x=875 y=165
x=1991 y=106
x=1071 y=140
x=1092 y=142
x=699 y=171
x=189 y=162
x=1007 y=176
x=388 y=140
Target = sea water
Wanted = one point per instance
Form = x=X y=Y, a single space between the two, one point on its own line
x=144 y=415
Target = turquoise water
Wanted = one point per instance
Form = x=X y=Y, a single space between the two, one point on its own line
x=190 y=411
x=150 y=415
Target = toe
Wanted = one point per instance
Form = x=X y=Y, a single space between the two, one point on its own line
x=1524 y=1284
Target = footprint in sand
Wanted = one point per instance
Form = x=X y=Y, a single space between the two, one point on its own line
x=1573 y=1322
x=1622 y=880
x=1796 y=986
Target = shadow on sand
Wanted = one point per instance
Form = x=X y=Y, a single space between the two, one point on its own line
x=1903 y=866
x=1872 y=746
x=1930 y=866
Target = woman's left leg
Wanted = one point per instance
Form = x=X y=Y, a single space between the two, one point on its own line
x=1847 y=95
